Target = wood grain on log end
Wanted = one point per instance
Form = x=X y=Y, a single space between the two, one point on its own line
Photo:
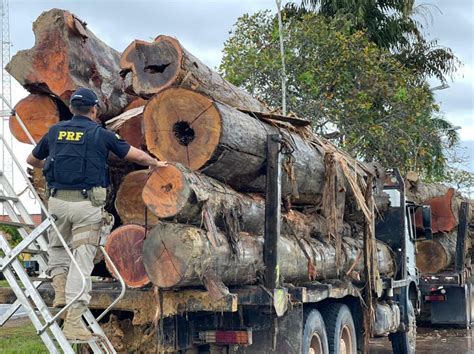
x=129 y=203
x=124 y=246
x=137 y=102
x=165 y=260
x=431 y=257
x=166 y=193
x=182 y=125
x=155 y=66
x=38 y=113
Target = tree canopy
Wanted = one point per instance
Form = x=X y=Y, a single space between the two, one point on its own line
x=392 y=24
x=343 y=82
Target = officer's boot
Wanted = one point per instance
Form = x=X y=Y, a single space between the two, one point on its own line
x=59 y=286
x=74 y=328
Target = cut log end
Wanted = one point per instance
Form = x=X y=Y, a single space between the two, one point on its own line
x=155 y=66
x=129 y=203
x=431 y=257
x=165 y=266
x=165 y=193
x=182 y=125
x=124 y=246
x=38 y=113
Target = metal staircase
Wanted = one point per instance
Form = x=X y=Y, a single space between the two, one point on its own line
x=35 y=243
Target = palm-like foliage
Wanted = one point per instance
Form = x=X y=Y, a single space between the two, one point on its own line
x=391 y=24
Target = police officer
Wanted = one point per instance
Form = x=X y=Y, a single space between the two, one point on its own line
x=73 y=155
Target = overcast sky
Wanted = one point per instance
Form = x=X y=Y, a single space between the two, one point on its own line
x=202 y=26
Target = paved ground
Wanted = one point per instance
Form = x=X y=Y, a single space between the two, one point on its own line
x=434 y=341
x=429 y=340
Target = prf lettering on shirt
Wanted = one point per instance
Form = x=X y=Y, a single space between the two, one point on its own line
x=70 y=136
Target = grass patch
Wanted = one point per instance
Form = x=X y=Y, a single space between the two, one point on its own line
x=20 y=337
x=4 y=284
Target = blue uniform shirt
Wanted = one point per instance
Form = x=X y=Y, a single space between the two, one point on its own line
x=76 y=153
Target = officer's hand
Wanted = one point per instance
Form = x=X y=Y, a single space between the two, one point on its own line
x=159 y=164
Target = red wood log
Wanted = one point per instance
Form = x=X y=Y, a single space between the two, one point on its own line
x=38 y=113
x=66 y=56
x=124 y=246
x=129 y=203
x=164 y=63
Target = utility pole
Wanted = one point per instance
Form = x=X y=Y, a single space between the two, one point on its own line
x=282 y=52
x=7 y=161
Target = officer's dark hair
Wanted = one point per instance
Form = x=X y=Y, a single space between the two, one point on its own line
x=78 y=110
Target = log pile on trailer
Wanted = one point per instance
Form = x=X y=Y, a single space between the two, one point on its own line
x=211 y=196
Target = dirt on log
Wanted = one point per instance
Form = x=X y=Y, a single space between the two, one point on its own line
x=124 y=246
x=129 y=202
x=66 y=56
x=177 y=255
x=163 y=63
x=38 y=113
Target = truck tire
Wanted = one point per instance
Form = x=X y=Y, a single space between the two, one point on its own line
x=340 y=329
x=315 y=339
x=405 y=342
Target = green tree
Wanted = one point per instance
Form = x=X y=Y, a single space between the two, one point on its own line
x=345 y=84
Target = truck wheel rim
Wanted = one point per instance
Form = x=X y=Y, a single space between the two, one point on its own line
x=316 y=346
x=346 y=345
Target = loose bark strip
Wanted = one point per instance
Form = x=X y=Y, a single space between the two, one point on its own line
x=124 y=246
x=38 y=113
x=129 y=203
x=163 y=63
x=129 y=126
x=202 y=134
x=177 y=255
x=67 y=55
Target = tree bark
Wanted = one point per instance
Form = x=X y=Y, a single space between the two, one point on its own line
x=164 y=63
x=129 y=203
x=177 y=255
x=38 y=113
x=124 y=246
x=190 y=128
x=66 y=56
x=179 y=194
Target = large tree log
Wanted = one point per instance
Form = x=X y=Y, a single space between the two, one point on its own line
x=129 y=126
x=438 y=254
x=160 y=64
x=66 y=56
x=175 y=192
x=124 y=246
x=38 y=113
x=177 y=255
x=190 y=128
x=129 y=203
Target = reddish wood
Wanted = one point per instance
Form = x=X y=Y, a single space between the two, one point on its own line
x=443 y=218
x=129 y=125
x=124 y=246
x=129 y=203
x=66 y=56
x=38 y=113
